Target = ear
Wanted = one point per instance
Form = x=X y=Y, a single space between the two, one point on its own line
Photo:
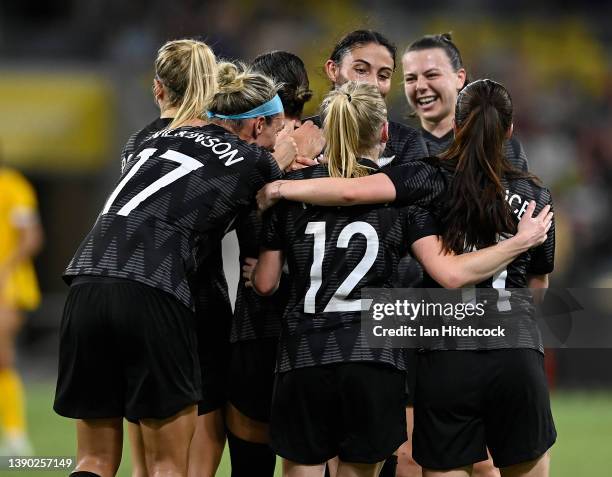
x=384 y=133
x=331 y=70
x=258 y=126
x=510 y=131
x=461 y=77
x=158 y=90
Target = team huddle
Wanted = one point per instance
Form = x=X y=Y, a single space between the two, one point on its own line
x=323 y=208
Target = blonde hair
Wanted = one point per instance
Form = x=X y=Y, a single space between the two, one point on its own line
x=240 y=90
x=353 y=116
x=188 y=71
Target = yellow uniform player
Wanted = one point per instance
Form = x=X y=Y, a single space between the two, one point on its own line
x=20 y=239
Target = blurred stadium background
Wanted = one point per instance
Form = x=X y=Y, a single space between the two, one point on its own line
x=75 y=82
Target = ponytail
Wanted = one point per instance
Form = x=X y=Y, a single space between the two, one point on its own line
x=201 y=85
x=188 y=71
x=353 y=116
x=476 y=212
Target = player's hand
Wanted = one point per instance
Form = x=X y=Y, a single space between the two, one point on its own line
x=285 y=151
x=247 y=271
x=533 y=230
x=302 y=162
x=288 y=128
x=309 y=139
x=269 y=195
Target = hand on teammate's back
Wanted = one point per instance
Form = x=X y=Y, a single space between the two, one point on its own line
x=247 y=271
x=269 y=195
x=534 y=229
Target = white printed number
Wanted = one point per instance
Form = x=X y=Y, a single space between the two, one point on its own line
x=186 y=163
x=468 y=294
x=339 y=302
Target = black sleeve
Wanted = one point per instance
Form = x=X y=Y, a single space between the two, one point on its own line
x=128 y=149
x=271 y=234
x=416 y=183
x=543 y=256
x=419 y=223
x=266 y=170
x=516 y=154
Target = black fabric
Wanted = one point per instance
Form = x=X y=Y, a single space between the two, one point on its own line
x=355 y=411
x=327 y=248
x=467 y=401
x=255 y=316
x=212 y=304
x=126 y=350
x=82 y=473
x=389 y=467
x=173 y=202
x=513 y=149
x=250 y=458
x=251 y=377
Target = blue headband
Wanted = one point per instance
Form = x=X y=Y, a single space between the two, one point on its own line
x=269 y=108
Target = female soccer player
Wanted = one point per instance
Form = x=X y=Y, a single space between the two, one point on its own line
x=20 y=240
x=497 y=397
x=128 y=335
x=333 y=396
x=256 y=323
x=433 y=76
x=367 y=56
x=209 y=286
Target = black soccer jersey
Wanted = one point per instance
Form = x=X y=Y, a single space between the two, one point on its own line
x=136 y=139
x=255 y=316
x=405 y=144
x=509 y=301
x=513 y=149
x=209 y=285
x=181 y=188
x=332 y=253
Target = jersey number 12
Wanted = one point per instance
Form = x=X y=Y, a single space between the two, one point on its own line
x=339 y=301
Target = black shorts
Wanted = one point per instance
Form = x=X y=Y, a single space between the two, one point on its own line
x=467 y=401
x=126 y=350
x=251 y=379
x=411 y=365
x=356 y=411
x=213 y=329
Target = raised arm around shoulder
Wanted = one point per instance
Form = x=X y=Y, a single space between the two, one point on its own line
x=456 y=271
x=267 y=273
x=373 y=189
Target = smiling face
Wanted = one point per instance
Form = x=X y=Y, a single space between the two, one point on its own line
x=370 y=63
x=431 y=84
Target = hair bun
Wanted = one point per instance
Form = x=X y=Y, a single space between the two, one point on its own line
x=230 y=78
x=303 y=94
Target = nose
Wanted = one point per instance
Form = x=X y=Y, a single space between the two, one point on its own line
x=421 y=83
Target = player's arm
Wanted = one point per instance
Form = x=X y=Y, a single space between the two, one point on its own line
x=538 y=284
x=24 y=218
x=373 y=189
x=264 y=274
x=455 y=271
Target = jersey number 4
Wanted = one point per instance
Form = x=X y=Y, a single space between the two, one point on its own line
x=339 y=302
x=186 y=164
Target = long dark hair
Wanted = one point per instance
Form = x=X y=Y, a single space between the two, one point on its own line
x=476 y=212
x=289 y=70
x=358 y=38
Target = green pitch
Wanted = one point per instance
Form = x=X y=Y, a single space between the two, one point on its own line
x=584 y=425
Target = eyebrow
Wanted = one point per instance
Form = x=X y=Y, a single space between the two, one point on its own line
x=430 y=70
